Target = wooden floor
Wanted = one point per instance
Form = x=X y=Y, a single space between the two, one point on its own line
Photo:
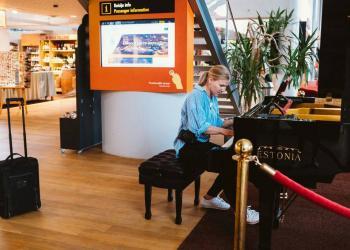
x=91 y=200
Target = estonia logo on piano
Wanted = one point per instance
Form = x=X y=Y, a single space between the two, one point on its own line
x=280 y=153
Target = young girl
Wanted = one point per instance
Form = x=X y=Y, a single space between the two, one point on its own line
x=199 y=119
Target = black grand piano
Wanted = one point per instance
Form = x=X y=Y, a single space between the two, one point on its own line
x=309 y=142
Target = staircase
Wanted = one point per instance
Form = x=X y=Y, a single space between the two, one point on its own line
x=208 y=51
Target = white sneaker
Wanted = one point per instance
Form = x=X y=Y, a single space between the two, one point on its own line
x=252 y=216
x=215 y=203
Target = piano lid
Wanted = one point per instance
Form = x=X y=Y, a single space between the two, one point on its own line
x=346 y=96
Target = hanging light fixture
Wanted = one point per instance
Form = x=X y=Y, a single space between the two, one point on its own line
x=2 y=18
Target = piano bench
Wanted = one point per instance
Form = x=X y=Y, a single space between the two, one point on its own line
x=164 y=170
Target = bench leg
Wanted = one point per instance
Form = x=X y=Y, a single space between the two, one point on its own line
x=197 y=186
x=170 y=195
x=178 y=200
x=148 y=197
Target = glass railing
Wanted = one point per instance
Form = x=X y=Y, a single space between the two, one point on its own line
x=219 y=13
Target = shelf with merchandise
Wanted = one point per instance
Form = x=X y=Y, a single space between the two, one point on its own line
x=30 y=60
x=63 y=51
x=57 y=52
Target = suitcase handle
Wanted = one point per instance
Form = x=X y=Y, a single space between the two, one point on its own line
x=12 y=155
x=21 y=100
x=14 y=99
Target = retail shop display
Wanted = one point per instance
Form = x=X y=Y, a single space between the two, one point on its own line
x=19 y=176
x=57 y=53
x=31 y=62
x=9 y=68
x=11 y=76
x=48 y=53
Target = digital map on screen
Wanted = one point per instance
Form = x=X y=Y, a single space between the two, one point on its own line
x=139 y=43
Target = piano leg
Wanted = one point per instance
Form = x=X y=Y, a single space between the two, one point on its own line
x=277 y=207
x=267 y=212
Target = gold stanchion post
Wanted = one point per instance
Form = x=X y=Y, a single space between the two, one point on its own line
x=243 y=150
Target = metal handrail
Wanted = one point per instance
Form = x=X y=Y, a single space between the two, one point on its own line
x=201 y=11
x=232 y=18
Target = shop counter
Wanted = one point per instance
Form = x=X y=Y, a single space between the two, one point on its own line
x=42 y=85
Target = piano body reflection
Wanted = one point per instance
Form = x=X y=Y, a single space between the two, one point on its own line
x=309 y=143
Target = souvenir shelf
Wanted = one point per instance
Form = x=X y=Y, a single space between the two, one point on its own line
x=58 y=52
x=48 y=53
x=31 y=60
x=9 y=68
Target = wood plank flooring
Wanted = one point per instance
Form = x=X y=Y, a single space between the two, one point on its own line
x=91 y=200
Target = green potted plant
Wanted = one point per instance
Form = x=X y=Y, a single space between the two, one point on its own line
x=266 y=49
x=299 y=59
x=245 y=69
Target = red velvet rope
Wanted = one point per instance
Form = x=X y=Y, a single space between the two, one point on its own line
x=310 y=195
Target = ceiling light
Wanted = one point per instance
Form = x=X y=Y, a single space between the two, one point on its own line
x=14 y=11
x=73 y=16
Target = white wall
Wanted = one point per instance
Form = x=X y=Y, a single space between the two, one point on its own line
x=139 y=125
x=15 y=36
x=4 y=39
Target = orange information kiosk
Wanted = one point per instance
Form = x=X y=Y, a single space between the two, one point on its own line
x=141 y=45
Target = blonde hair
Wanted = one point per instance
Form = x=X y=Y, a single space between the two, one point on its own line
x=217 y=72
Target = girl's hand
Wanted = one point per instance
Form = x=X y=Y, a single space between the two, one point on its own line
x=227 y=132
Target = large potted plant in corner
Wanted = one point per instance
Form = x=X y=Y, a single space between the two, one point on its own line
x=267 y=49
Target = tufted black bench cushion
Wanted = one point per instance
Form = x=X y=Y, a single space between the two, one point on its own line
x=164 y=164
x=164 y=170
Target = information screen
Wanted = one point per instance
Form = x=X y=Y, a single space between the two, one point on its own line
x=138 y=43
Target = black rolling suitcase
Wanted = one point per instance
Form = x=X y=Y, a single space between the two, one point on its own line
x=19 y=177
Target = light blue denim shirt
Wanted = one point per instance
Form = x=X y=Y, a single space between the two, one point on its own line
x=198 y=113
